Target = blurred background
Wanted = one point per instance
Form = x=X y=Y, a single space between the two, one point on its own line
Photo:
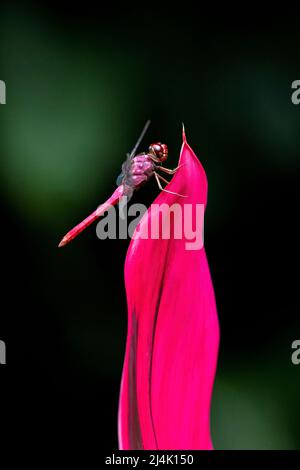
x=81 y=82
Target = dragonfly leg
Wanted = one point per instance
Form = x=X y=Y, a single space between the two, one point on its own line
x=163 y=179
x=168 y=170
x=158 y=178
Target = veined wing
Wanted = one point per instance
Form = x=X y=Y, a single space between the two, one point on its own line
x=125 y=169
x=126 y=164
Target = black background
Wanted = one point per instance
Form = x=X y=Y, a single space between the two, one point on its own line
x=51 y=382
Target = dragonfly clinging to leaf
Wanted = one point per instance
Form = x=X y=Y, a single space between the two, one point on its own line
x=136 y=171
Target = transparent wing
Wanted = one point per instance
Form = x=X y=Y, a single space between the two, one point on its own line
x=133 y=151
x=126 y=164
x=125 y=169
x=119 y=180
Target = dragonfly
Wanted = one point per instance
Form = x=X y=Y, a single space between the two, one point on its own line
x=136 y=171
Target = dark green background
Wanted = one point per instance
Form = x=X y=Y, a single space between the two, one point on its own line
x=81 y=82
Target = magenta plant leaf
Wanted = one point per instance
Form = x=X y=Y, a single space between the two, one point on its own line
x=173 y=331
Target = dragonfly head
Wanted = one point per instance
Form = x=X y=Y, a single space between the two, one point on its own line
x=160 y=151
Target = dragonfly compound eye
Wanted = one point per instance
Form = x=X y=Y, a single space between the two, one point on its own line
x=159 y=150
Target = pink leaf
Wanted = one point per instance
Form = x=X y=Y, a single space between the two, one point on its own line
x=173 y=331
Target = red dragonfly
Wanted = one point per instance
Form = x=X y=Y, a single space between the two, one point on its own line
x=136 y=170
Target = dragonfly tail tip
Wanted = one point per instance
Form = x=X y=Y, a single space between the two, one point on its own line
x=63 y=242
